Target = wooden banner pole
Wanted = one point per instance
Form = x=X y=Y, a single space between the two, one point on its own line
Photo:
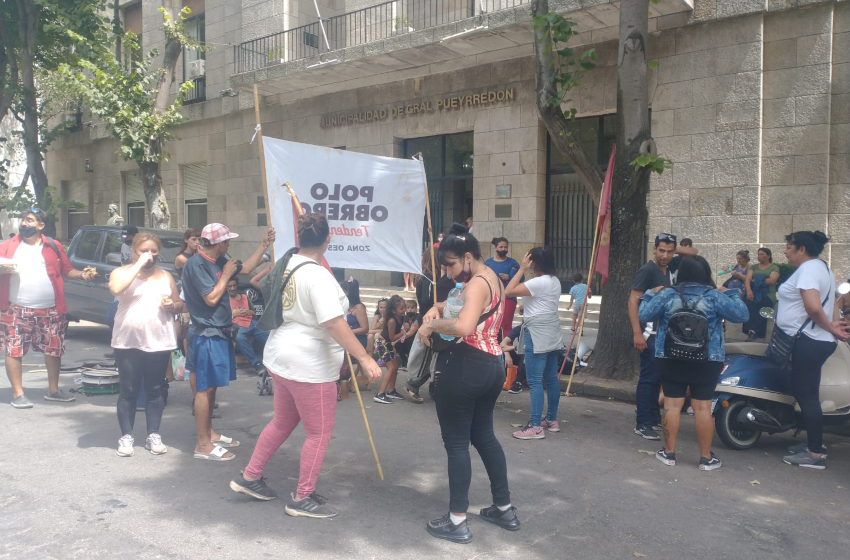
x=430 y=228
x=365 y=420
x=263 y=163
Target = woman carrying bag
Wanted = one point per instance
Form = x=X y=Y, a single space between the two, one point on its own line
x=808 y=322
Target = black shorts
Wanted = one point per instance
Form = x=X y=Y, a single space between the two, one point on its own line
x=677 y=375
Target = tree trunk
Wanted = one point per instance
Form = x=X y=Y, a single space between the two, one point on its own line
x=614 y=356
x=160 y=216
x=27 y=34
x=557 y=124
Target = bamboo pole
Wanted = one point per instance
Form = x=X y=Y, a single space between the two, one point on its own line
x=262 y=163
x=365 y=420
x=430 y=228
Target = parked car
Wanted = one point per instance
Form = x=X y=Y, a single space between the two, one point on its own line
x=100 y=247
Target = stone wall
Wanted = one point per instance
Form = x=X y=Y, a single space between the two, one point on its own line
x=839 y=145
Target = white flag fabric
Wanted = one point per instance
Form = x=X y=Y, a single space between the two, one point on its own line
x=375 y=205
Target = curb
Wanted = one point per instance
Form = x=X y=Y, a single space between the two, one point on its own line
x=587 y=386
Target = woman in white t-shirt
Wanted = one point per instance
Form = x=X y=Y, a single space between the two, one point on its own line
x=807 y=306
x=541 y=337
x=305 y=354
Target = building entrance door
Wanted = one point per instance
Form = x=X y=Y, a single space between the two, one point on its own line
x=448 y=170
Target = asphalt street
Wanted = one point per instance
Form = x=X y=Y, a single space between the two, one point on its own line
x=592 y=491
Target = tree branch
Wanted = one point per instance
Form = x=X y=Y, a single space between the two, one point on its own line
x=556 y=122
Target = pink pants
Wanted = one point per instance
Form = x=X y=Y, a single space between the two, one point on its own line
x=294 y=402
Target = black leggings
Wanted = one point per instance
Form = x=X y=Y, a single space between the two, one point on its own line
x=470 y=382
x=807 y=359
x=133 y=367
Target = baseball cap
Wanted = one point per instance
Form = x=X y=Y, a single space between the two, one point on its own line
x=128 y=231
x=217 y=233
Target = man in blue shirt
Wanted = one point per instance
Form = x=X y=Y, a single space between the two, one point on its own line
x=505 y=268
x=205 y=277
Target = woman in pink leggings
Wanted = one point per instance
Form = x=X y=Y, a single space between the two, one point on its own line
x=305 y=354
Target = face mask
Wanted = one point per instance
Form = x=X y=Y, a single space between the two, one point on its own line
x=464 y=275
x=531 y=271
x=27 y=231
x=502 y=254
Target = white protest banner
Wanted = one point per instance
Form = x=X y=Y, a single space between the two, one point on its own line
x=375 y=205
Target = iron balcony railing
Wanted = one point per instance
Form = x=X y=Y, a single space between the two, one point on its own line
x=360 y=27
x=197 y=93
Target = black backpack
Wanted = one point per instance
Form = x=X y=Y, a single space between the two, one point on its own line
x=687 y=333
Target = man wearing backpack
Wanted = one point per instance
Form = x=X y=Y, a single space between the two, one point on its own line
x=32 y=304
x=651 y=275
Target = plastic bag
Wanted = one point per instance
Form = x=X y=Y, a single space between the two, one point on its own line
x=178 y=365
x=510 y=377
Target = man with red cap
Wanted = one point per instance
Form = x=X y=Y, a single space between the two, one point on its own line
x=205 y=277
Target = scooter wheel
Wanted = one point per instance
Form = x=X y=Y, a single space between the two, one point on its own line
x=732 y=433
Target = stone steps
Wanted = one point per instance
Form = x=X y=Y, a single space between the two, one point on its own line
x=370 y=296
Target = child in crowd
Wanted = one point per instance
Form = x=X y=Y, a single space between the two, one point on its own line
x=377 y=324
x=512 y=358
x=386 y=350
x=410 y=326
x=578 y=293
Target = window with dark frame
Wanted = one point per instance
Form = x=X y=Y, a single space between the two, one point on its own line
x=194 y=61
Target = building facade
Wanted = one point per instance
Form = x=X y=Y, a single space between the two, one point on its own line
x=750 y=99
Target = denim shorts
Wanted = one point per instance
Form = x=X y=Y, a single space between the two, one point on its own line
x=215 y=362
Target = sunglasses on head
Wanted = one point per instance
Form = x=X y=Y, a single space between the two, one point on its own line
x=666 y=237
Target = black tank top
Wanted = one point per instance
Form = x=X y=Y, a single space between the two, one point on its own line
x=180 y=270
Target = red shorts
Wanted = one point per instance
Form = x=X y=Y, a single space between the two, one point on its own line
x=21 y=327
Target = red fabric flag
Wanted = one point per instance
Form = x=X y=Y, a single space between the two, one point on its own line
x=297 y=210
x=604 y=225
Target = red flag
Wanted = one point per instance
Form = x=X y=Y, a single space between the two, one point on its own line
x=297 y=210
x=604 y=224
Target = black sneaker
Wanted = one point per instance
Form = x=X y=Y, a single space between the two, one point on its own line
x=505 y=519
x=254 y=488
x=709 y=464
x=314 y=506
x=443 y=528
x=382 y=398
x=395 y=395
x=669 y=459
x=646 y=432
x=516 y=388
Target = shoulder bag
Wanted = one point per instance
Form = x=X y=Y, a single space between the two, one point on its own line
x=781 y=344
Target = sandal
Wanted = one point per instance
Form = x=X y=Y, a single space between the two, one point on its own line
x=414 y=397
x=226 y=442
x=217 y=454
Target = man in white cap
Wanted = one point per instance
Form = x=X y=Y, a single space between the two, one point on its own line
x=205 y=277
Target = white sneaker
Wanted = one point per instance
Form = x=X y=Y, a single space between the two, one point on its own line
x=125 y=446
x=154 y=444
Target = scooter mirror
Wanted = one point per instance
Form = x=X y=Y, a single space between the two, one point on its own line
x=844 y=288
x=767 y=312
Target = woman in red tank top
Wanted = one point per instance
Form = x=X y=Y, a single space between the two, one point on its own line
x=471 y=375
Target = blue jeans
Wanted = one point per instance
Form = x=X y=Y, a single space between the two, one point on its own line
x=540 y=368
x=246 y=348
x=648 y=413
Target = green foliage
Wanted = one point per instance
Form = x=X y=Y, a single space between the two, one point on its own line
x=568 y=67
x=655 y=163
x=122 y=95
x=652 y=64
x=18 y=199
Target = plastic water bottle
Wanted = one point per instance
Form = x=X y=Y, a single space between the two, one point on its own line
x=453 y=305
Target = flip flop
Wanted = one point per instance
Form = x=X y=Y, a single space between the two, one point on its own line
x=217 y=454
x=226 y=442
x=413 y=397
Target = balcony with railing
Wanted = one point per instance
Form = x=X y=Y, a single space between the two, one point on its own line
x=403 y=30
x=367 y=25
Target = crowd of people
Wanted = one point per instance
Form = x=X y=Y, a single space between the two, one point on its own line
x=296 y=323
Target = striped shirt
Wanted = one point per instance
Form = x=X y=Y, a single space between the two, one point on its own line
x=486 y=335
